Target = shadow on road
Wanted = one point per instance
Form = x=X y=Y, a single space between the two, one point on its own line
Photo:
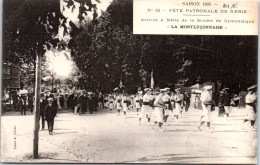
x=59 y=133
x=231 y=131
x=179 y=130
x=180 y=158
x=61 y=129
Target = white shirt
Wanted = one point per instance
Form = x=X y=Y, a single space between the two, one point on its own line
x=138 y=98
x=166 y=98
x=147 y=98
x=159 y=101
x=251 y=98
x=178 y=97
x=206 y=96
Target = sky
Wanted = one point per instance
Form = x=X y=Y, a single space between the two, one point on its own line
x=73 y=15
x=58 y=62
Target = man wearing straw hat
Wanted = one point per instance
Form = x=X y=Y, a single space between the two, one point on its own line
x=251 y=99
x=159 y=106
x=146 y=107
x=206 y=99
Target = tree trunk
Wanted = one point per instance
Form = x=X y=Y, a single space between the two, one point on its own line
x=37 y=107
x=34 y=74
x=52 y=83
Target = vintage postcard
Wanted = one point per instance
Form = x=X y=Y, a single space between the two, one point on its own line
x=129 y=81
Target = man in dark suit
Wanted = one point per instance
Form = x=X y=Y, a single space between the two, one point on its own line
x=85 y=104
x=43 y=104
x=70 y=101
x=90 y=102
x=221 y=111
x=80 y=102
x=49 y=115
x=54 y=105
x=22 y=104
x=75 y=103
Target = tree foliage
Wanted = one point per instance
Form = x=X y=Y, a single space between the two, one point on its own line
x=107 y=51
x=31 y=28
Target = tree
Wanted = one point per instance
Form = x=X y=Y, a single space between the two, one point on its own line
x=106 y=51
x=30 y=28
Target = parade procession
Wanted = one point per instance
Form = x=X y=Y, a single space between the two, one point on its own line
x=79 y=86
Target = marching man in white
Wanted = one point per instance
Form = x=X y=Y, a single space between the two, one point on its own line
x=137 y=101
x=167 y=102
x=146 y=107
x=159 y=106
x=172 y=100
x=118 y=103
x=111 y=102
x=206 y=99
x=178 y=104
x=251 y=107
x=125 y=101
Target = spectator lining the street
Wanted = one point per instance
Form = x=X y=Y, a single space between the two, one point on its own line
x=70 y=101
x=227 y=101
x=221 y=110
x=75 y=103
x=81 y=101
x=22 y=104
x=186 y=100
x=90 y=102
x=66 y=101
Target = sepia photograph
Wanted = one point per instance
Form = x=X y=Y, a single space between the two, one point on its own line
x=129 y=81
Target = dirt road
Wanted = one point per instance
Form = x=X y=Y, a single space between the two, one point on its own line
x=106 y=137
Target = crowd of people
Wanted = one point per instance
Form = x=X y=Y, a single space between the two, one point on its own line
x=162 y=102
